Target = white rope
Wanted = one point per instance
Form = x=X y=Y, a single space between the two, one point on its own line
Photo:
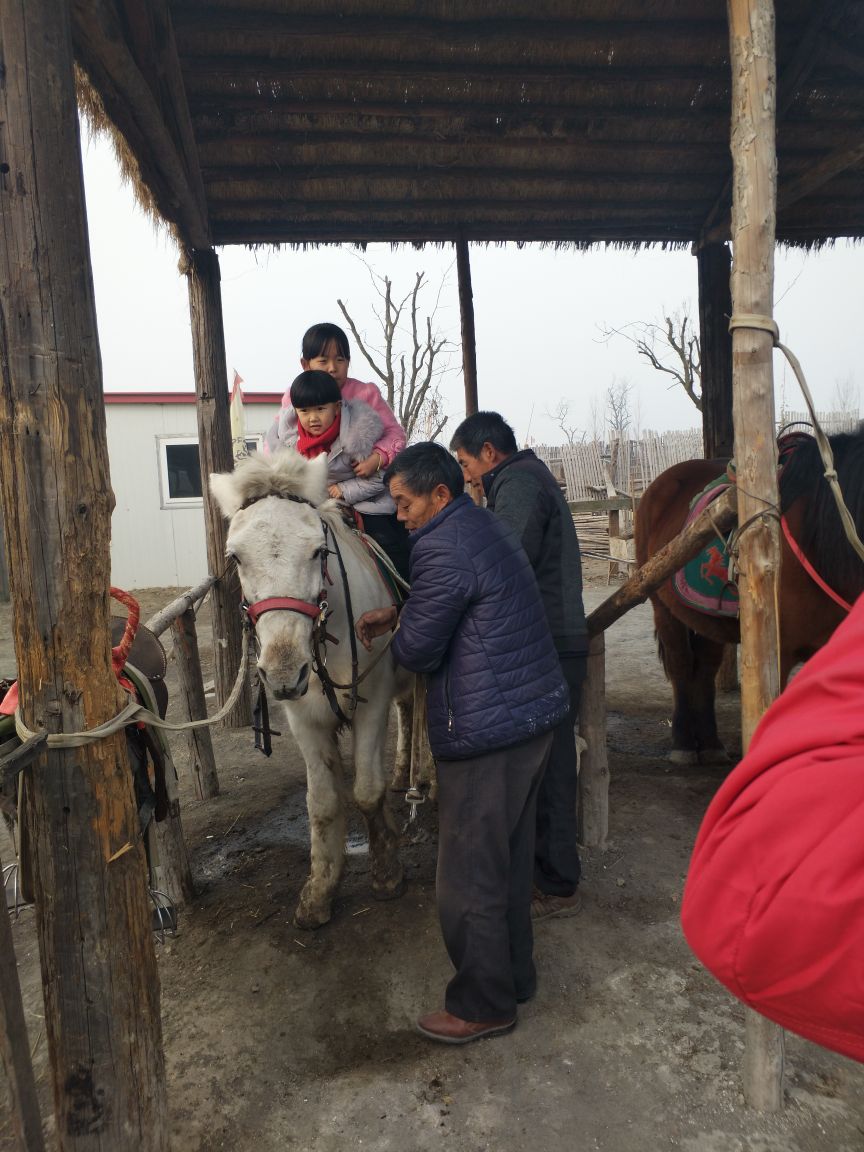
x=132 y=713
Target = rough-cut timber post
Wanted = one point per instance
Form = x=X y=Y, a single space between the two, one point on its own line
x=714 y=264
x=4 y=567
x=754 y=190
x=594 y=776
x=170 y=868
x=99 y=975
x=199 y=740
x=214 y=447
x=15 y=1048
x=593 y=804
x=466 y=312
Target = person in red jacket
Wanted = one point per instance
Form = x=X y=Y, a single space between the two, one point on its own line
x=774 y=900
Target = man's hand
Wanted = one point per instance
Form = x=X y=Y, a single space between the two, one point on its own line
x=368 y=467
x=374 y=623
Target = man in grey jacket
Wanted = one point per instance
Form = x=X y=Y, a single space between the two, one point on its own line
x=521 y=490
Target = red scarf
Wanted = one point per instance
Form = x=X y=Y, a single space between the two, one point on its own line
x=312 y=446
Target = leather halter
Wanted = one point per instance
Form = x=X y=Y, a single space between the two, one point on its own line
x=317 y=612
x=254 y=611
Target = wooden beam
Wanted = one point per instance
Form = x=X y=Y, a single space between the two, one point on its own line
x=214 y=450
x=99 y=974
x=819 y=174
x=714 y=265
x=466 y=314
x=209 y=73
x=231 y=153
x=752 y=54
x=167 y=162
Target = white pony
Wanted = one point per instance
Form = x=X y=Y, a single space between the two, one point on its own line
x=298 y=562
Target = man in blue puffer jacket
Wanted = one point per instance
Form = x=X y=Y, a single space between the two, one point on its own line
x=476 y=627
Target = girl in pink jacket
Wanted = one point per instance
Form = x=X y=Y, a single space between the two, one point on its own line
x=326 y=349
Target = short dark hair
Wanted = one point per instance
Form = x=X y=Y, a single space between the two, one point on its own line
x=422 y=467
x=313 y=388
x=484 y=428
x=317 y=338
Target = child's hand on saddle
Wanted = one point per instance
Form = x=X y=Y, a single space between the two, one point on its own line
x=374 y=623
x=335 y=492
x=368 y=467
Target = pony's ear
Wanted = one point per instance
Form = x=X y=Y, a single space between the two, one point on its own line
x=225 y=490
x=315 y=480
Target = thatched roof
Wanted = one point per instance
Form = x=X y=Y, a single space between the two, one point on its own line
x=256 y=121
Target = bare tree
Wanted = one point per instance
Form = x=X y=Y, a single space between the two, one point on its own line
x=846 y=398
x=618 y=416
x=410 y=376
x=671 y=347
x=559 y=414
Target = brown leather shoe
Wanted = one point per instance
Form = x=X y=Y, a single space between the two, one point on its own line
x=449 y=1029
x=544 y=906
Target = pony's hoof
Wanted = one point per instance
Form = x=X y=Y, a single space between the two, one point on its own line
x=709 y=756
x=389 y=891
x=685 y=757
x=310 y=918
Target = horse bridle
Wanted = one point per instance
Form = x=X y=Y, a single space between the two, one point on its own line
x=318 y=612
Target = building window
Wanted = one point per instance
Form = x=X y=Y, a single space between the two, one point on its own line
x=180 y=469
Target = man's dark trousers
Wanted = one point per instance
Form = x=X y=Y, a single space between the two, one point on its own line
x=556 y=853
x=487 y=817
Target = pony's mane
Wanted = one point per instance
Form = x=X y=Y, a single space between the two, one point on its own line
x=821 y=534
x=284 y=473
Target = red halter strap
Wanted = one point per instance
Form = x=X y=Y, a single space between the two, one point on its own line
x=282 y=603
x=809 y=569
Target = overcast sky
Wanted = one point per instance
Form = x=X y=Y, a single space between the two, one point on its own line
x=540 y=315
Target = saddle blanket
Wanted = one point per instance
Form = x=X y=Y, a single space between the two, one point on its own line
x=703 y=583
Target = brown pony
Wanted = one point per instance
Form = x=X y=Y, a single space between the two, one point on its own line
x=691 y=642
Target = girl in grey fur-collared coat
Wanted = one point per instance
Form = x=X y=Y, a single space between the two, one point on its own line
x=350 y=437
x=360 y=427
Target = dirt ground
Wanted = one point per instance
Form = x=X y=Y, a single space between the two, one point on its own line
x=277 y=1039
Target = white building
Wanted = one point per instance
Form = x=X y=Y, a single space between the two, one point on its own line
x=157 y=529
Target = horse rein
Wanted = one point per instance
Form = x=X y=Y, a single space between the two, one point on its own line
x=318 y=612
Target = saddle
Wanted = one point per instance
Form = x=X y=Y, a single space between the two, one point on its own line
x=704 y=582
x=143 y=676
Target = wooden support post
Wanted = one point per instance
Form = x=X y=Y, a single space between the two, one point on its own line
x=752 y=56
x=593 y=810
x=199 y=741
x=714 y=265
x=170 y=870
x=466 y=313
x=15 y=1048
x=99 y=974
x=594 y=777
x=4 y=567
x=214 y=447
